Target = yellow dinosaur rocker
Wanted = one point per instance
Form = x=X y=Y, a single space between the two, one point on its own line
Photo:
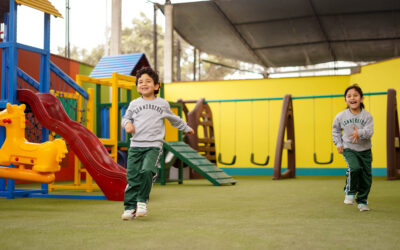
x=43 y=157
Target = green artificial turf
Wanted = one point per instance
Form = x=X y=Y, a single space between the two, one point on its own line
x=256 y=213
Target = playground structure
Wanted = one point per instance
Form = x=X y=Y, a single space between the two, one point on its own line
x=200 y=156
x=49 y=111
x=110 y=177
x=10 y=72
x=201 y=120
x=116 y=82
x=19 y=86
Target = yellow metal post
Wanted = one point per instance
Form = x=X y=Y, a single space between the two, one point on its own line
x=114 y=117
x=90 y=110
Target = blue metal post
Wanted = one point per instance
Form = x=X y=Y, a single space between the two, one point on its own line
x=123 y=133
x=4 y=90
x=2 y=185
x=10 y=188
x=12 y=54
x=105 y=122
x=9 y=78
x=4 y=70
x=45 y=75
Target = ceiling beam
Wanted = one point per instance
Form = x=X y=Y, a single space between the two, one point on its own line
x=231 y=67
x=396 y=24
x=346 y=37
x=394 y=11
x=332 y=41
x=322 y=29
x=305 y=53
x=266 y=63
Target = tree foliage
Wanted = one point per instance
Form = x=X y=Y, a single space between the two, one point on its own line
x=138 y=38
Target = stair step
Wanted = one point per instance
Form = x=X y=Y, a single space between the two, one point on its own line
x=199 y=163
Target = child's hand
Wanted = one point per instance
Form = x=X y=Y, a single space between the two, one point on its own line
x=129 y=128
x=340 y=149
x=354 y=136
x=190 y=132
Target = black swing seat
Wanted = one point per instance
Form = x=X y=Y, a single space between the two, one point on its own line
x=323 y=162
x=259 y=164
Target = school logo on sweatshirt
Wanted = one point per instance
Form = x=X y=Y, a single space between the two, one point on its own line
x=148 y=107
x=353 y=121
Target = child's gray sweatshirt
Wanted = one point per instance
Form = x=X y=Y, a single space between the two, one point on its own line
x=343 y=127
x=147 y=116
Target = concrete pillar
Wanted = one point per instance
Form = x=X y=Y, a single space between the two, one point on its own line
x=178 y=59
x=67 y=44
x=168 y=42
x=194 y=63
x=155 y=66
x=115 y=42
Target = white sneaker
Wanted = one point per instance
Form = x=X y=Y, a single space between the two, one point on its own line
x=141 y=209
x=363 y=207
x=349 y=199
x=129 y=214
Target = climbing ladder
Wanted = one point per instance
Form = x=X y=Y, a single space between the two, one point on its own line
x=199 y=163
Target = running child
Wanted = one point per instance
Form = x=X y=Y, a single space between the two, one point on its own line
x=351 y=132
x=144 y=118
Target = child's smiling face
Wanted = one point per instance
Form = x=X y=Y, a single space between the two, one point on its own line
x=353 y=100
x=146 y=86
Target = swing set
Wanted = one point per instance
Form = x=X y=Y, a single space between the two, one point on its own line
x=315 y=134
x=234 y=137
x=252 y=155
x=287 y=128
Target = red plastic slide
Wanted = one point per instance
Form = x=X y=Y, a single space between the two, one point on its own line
x=109 y=176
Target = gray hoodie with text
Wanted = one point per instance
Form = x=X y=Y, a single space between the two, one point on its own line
x=343 y=127
x=147 y=116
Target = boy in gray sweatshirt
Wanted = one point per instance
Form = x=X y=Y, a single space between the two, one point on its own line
x=144 y=118
x=351 y=133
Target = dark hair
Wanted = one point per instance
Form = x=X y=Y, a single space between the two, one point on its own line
x=152 y=73
x=356 y=88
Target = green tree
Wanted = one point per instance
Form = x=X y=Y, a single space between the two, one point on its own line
x=76 y=53
x=138 y=38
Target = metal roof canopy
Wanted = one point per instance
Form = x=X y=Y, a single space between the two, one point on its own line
x=127 y=64
x=276 y=33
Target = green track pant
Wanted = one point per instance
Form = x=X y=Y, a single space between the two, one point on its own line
x=141 y=169
x=359 y=176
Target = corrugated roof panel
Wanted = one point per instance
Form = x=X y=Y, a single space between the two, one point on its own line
x=122 y=64
x=278 y=33
x=42 y=5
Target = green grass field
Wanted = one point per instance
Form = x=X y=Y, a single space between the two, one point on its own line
x=256 y=213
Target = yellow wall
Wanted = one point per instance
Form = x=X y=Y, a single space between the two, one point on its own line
x=245 y=127
x=372 y=78
x=171 y=133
